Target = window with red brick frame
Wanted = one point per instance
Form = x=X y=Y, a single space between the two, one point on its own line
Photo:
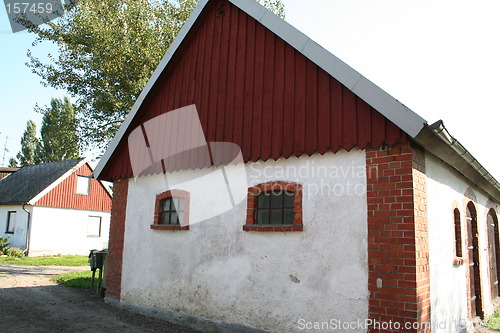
x=274 y=206
x=171 y=211
x=458 y=238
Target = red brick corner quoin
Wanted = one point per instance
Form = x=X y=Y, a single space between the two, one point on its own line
x=398 y=247
x=116 y=235
x=254 y=191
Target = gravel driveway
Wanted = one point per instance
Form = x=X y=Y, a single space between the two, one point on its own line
x=31 y=302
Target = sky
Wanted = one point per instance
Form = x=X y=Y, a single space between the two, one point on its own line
x=439 y=58
x=20 y=89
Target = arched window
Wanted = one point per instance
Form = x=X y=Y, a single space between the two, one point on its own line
x=475 y=295
x=494 y=251
x=274 y=206
x=172 y=211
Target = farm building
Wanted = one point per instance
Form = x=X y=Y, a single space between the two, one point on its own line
x=55 y=208
x=261 y=182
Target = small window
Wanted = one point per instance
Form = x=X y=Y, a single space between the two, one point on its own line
x=11 y=222
x=172 y=211
x=458 y=237
x=274 y=206
x=83 y=185
x=94 y=226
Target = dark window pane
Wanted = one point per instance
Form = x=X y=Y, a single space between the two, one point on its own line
x=262 y=217
x=289 y=198
x=173 y=218
x=165 y=204
x=165 y=218
x=276 y=199
x=289 y=216
x=263 y=200
x=276 y=216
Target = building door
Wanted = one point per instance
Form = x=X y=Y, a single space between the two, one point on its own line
x=493 y=248
x=476 y=300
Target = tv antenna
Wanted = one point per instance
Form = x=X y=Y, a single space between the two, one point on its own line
x=5 y=149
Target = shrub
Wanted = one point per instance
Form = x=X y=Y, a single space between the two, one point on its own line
x=14 y=252
x=4 y=244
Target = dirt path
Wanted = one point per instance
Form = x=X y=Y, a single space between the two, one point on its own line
x=31 y=302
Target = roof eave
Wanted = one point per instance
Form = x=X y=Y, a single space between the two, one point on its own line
x=437 y=140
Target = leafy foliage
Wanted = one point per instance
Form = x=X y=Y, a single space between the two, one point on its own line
x=276 y=6
x=13 y=163
x=59 y=139
x=29 y=146
x=493 y=322
x=107 y=52
x=58 y=133
x=4 y=244
x=14 y=252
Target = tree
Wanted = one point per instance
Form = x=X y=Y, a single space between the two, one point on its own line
x=59 y=140
x=107 y=53
x=13 y=162
x=29 y=146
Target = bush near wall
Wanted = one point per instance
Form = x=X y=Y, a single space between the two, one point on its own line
x=4 y=245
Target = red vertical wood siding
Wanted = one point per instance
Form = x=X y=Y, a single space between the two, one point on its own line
x=253 y=89
x=64 y=194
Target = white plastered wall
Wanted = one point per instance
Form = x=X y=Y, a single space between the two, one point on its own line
x=270 y=280
x=18 y=238
x=446 y=187
x=64 y=231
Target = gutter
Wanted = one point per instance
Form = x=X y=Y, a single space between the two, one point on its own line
x=28 y=231
x=437 y=139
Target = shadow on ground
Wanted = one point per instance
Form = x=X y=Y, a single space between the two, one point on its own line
x=65 y=309
x=31 y=302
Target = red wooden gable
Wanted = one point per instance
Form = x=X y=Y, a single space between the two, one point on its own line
x=64 y=194
x=253 y=89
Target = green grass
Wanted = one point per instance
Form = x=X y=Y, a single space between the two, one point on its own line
x=75 y=279
x=47 y=261
x=493 y=322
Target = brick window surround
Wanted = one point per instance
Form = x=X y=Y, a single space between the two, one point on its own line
x=254 y=191
x=458 y=251
x=171 y=194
